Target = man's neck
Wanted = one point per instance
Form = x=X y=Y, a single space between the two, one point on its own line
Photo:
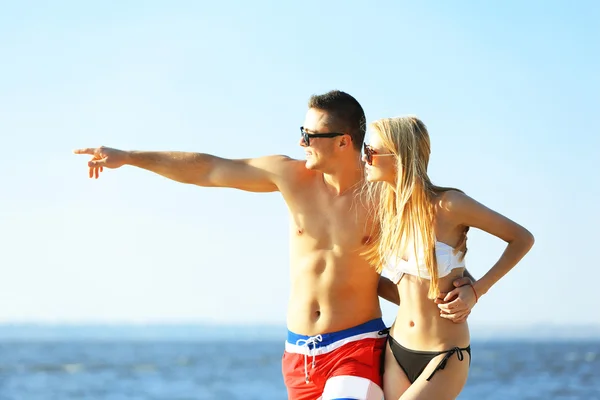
x=345 y=178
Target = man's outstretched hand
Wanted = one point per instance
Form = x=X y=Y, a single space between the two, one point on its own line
x=456 y=305
x=103 y=157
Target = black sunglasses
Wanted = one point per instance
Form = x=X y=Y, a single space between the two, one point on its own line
x=306 y=136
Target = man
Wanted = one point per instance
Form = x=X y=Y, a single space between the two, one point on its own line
x=336 y=335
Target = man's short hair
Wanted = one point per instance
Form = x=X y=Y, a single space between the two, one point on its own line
x=346 y=114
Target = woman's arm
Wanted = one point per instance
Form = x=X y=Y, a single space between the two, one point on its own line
x=467 y=212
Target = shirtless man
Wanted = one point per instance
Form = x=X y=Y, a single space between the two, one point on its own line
x=336 y=335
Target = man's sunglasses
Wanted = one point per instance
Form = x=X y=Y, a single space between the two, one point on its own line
x=306 y=136
x=370 y=152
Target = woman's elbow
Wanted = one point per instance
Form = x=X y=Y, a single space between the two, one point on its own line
x=527 y=239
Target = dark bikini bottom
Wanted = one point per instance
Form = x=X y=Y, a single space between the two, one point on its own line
x=413 y=362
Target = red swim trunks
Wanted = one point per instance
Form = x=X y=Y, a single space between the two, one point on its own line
x=340 y=365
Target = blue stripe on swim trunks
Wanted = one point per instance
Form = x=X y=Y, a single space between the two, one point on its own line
x=324 y=343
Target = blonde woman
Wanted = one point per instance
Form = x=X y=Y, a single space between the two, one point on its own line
x=427 y=356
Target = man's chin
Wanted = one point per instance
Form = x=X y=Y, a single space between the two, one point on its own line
x=310 y=165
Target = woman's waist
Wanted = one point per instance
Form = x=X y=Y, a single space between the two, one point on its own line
x=424 y=329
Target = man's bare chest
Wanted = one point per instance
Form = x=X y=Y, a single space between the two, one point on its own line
x=331 y=223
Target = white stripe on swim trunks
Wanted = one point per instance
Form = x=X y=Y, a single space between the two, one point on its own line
x=303 y=349
x=351 y=387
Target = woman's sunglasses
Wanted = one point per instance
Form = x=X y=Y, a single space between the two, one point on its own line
x=306 y=136
x=370 y=152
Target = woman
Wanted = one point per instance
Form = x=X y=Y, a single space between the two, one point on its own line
x=427 y=356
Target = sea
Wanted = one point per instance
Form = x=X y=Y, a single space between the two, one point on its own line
x=236 y=363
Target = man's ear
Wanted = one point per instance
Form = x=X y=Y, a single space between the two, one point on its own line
x=345 y=141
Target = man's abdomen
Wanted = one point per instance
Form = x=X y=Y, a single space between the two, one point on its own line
x=330 y=294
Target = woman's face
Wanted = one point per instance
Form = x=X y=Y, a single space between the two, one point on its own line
x=380 y=163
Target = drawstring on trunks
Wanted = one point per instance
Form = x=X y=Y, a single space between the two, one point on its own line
x=310 y=344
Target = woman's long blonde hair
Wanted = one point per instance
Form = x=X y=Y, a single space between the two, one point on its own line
x=405 y=212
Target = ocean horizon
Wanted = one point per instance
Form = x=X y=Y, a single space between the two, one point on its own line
x=253 y=332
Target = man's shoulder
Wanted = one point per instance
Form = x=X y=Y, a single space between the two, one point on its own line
x=274 y=162
x=282 y=166
x=278 y=158
x=292 y=172
x=284 y=163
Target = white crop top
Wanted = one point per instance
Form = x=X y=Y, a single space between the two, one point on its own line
x=447 y=260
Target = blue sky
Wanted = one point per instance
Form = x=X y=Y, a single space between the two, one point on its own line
x=509 y=91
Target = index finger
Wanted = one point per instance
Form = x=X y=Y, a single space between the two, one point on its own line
x=452 y=295
x=87 y=150
x=440 y=298
x=458 y=305
x=454 y=305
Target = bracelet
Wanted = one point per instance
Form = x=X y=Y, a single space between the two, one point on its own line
x=475 y=293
